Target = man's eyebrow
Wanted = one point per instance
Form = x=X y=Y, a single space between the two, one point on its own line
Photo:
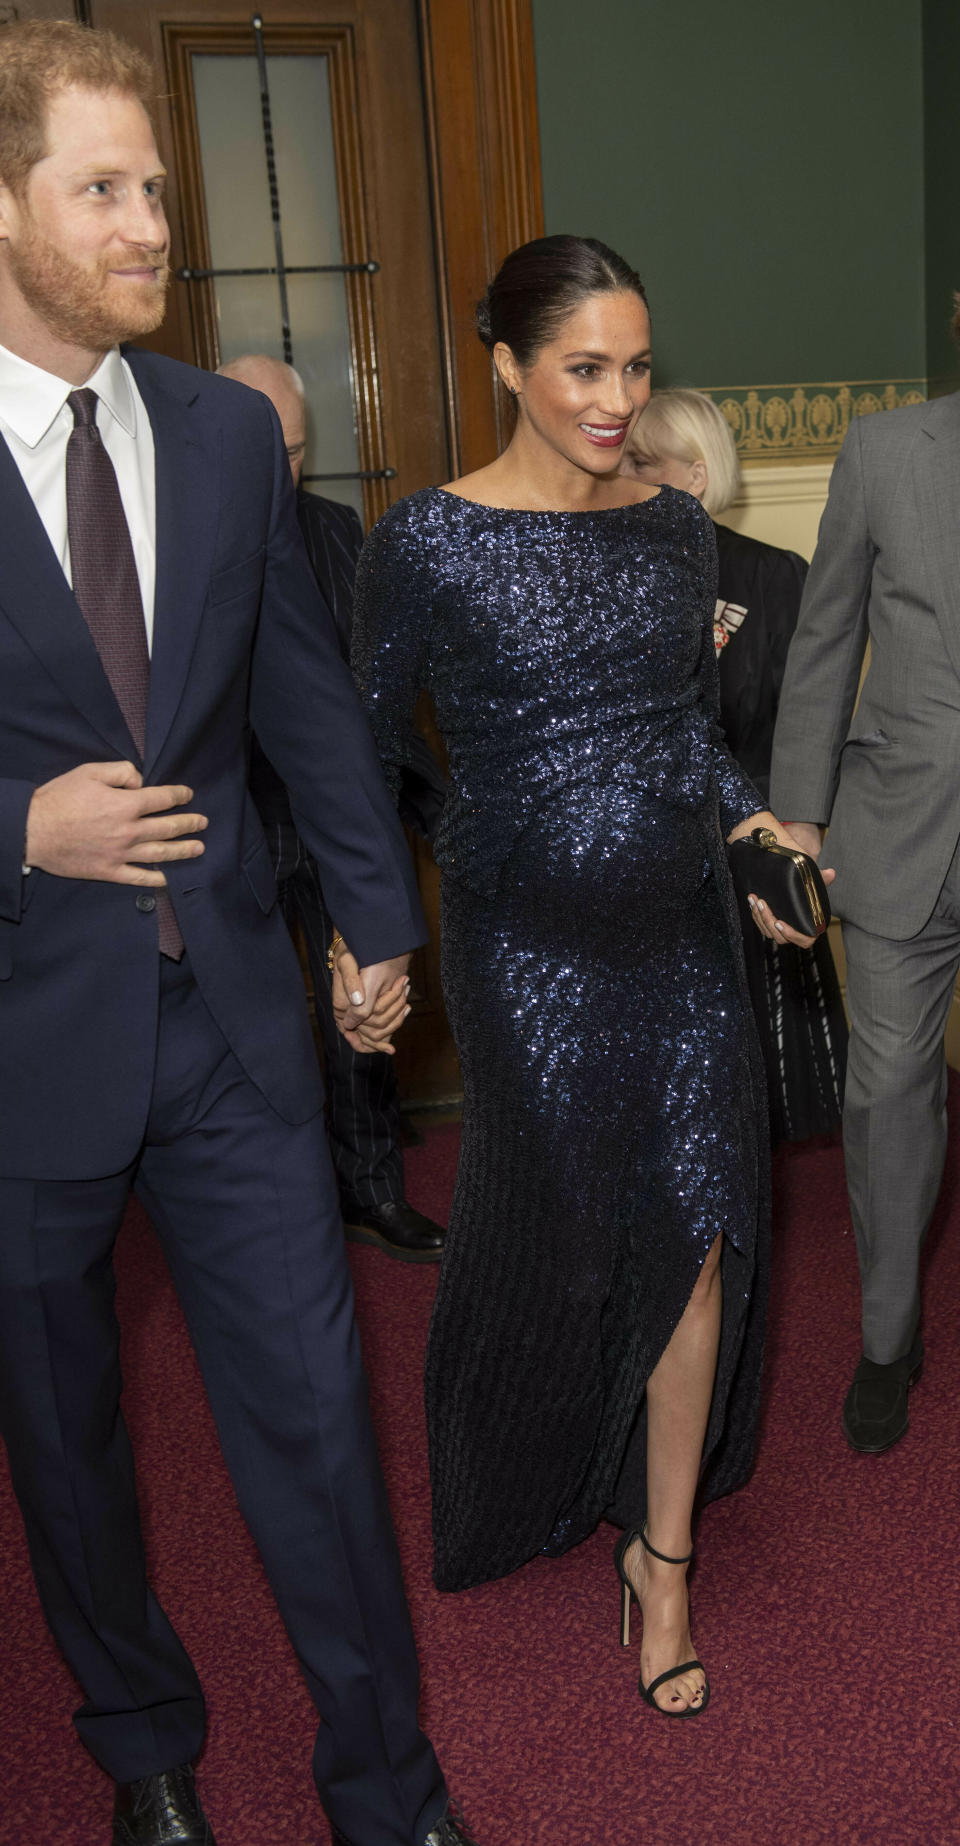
x=106 y=172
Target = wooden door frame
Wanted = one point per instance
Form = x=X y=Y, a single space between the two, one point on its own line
x=480 y=95
x=183 y=39
x=481 y=158
x=479 y=82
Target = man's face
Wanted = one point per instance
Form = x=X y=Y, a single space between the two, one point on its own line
x=290 y=409
x=86 y=244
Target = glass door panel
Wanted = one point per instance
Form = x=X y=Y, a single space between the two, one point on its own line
x=241 y=236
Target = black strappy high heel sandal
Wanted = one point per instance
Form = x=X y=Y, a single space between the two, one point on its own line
x=646 y=1692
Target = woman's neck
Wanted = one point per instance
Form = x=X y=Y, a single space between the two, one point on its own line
x=531 y=477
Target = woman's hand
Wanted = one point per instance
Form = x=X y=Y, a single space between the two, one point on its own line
x=766 y=922
x=388 y=1013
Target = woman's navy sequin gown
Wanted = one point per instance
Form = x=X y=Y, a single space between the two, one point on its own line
x=594 y=982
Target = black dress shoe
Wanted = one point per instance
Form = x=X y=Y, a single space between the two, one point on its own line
x=161 y=1810
x=451 y=1830
x=396 y=1228
x=875 y=1409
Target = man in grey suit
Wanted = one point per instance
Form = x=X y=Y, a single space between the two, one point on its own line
x=886 y=778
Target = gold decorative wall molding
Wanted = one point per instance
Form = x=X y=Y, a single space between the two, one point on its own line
x=806 y=422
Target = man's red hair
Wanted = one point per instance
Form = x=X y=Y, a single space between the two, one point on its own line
x=40 y=58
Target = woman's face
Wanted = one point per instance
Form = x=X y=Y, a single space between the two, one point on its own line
x=585 y=389
x=666 y=470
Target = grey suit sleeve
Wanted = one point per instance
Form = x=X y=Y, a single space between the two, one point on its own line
x=826 y=655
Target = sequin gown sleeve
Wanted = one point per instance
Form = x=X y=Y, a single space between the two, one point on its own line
x=593 y=976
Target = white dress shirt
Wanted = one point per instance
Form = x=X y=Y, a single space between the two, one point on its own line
x=36 y=421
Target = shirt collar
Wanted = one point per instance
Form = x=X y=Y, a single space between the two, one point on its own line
x=32 y=399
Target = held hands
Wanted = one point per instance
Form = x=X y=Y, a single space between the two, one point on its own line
x=799 y=834
x=370 y=1004
x=98 y=821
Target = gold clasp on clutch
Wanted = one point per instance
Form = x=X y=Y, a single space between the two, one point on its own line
x=766 y=837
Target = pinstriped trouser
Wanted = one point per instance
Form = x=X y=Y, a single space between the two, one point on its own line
x=363 y=1115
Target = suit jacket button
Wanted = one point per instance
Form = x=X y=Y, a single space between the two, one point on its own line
x=146 y=902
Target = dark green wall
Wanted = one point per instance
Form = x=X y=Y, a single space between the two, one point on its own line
x=941 y=64
x=762 y=163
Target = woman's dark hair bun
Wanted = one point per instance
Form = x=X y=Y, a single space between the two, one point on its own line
x=484 y=327
x=540 y=283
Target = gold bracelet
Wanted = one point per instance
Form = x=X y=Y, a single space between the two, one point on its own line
x=332 y=950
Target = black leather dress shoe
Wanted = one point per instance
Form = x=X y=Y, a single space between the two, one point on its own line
x=451 y=1830
x=396 y=1228
x=161 y=1810
x=875 y=1408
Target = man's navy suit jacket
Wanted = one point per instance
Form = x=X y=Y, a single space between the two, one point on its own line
x=333 y=537
x=240 y=630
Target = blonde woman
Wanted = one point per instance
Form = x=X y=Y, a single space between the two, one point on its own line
x=683 y=439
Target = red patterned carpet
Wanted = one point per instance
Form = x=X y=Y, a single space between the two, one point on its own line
x=826 y=1599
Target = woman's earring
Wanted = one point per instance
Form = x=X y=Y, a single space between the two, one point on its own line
x=513 y=390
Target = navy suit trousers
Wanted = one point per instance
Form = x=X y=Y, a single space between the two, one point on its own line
x=363 y=1108
x=245 y=1206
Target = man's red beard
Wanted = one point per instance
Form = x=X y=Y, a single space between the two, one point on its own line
x=86 y=305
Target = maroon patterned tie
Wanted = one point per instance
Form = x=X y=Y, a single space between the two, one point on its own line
x=107 y=588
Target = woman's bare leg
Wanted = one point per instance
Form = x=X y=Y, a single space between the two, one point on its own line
x=679 y=1392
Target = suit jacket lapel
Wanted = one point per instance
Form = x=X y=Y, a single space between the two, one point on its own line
x=38 y=600
x=939 y=460
x=188 y=497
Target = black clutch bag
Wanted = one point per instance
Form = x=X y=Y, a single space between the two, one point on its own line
x=787 y=879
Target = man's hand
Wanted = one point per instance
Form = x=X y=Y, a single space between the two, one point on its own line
x=808 y=837
x=98 y=821
x=370 y=1004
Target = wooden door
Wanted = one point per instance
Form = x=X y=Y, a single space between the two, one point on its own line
x=434 y=144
